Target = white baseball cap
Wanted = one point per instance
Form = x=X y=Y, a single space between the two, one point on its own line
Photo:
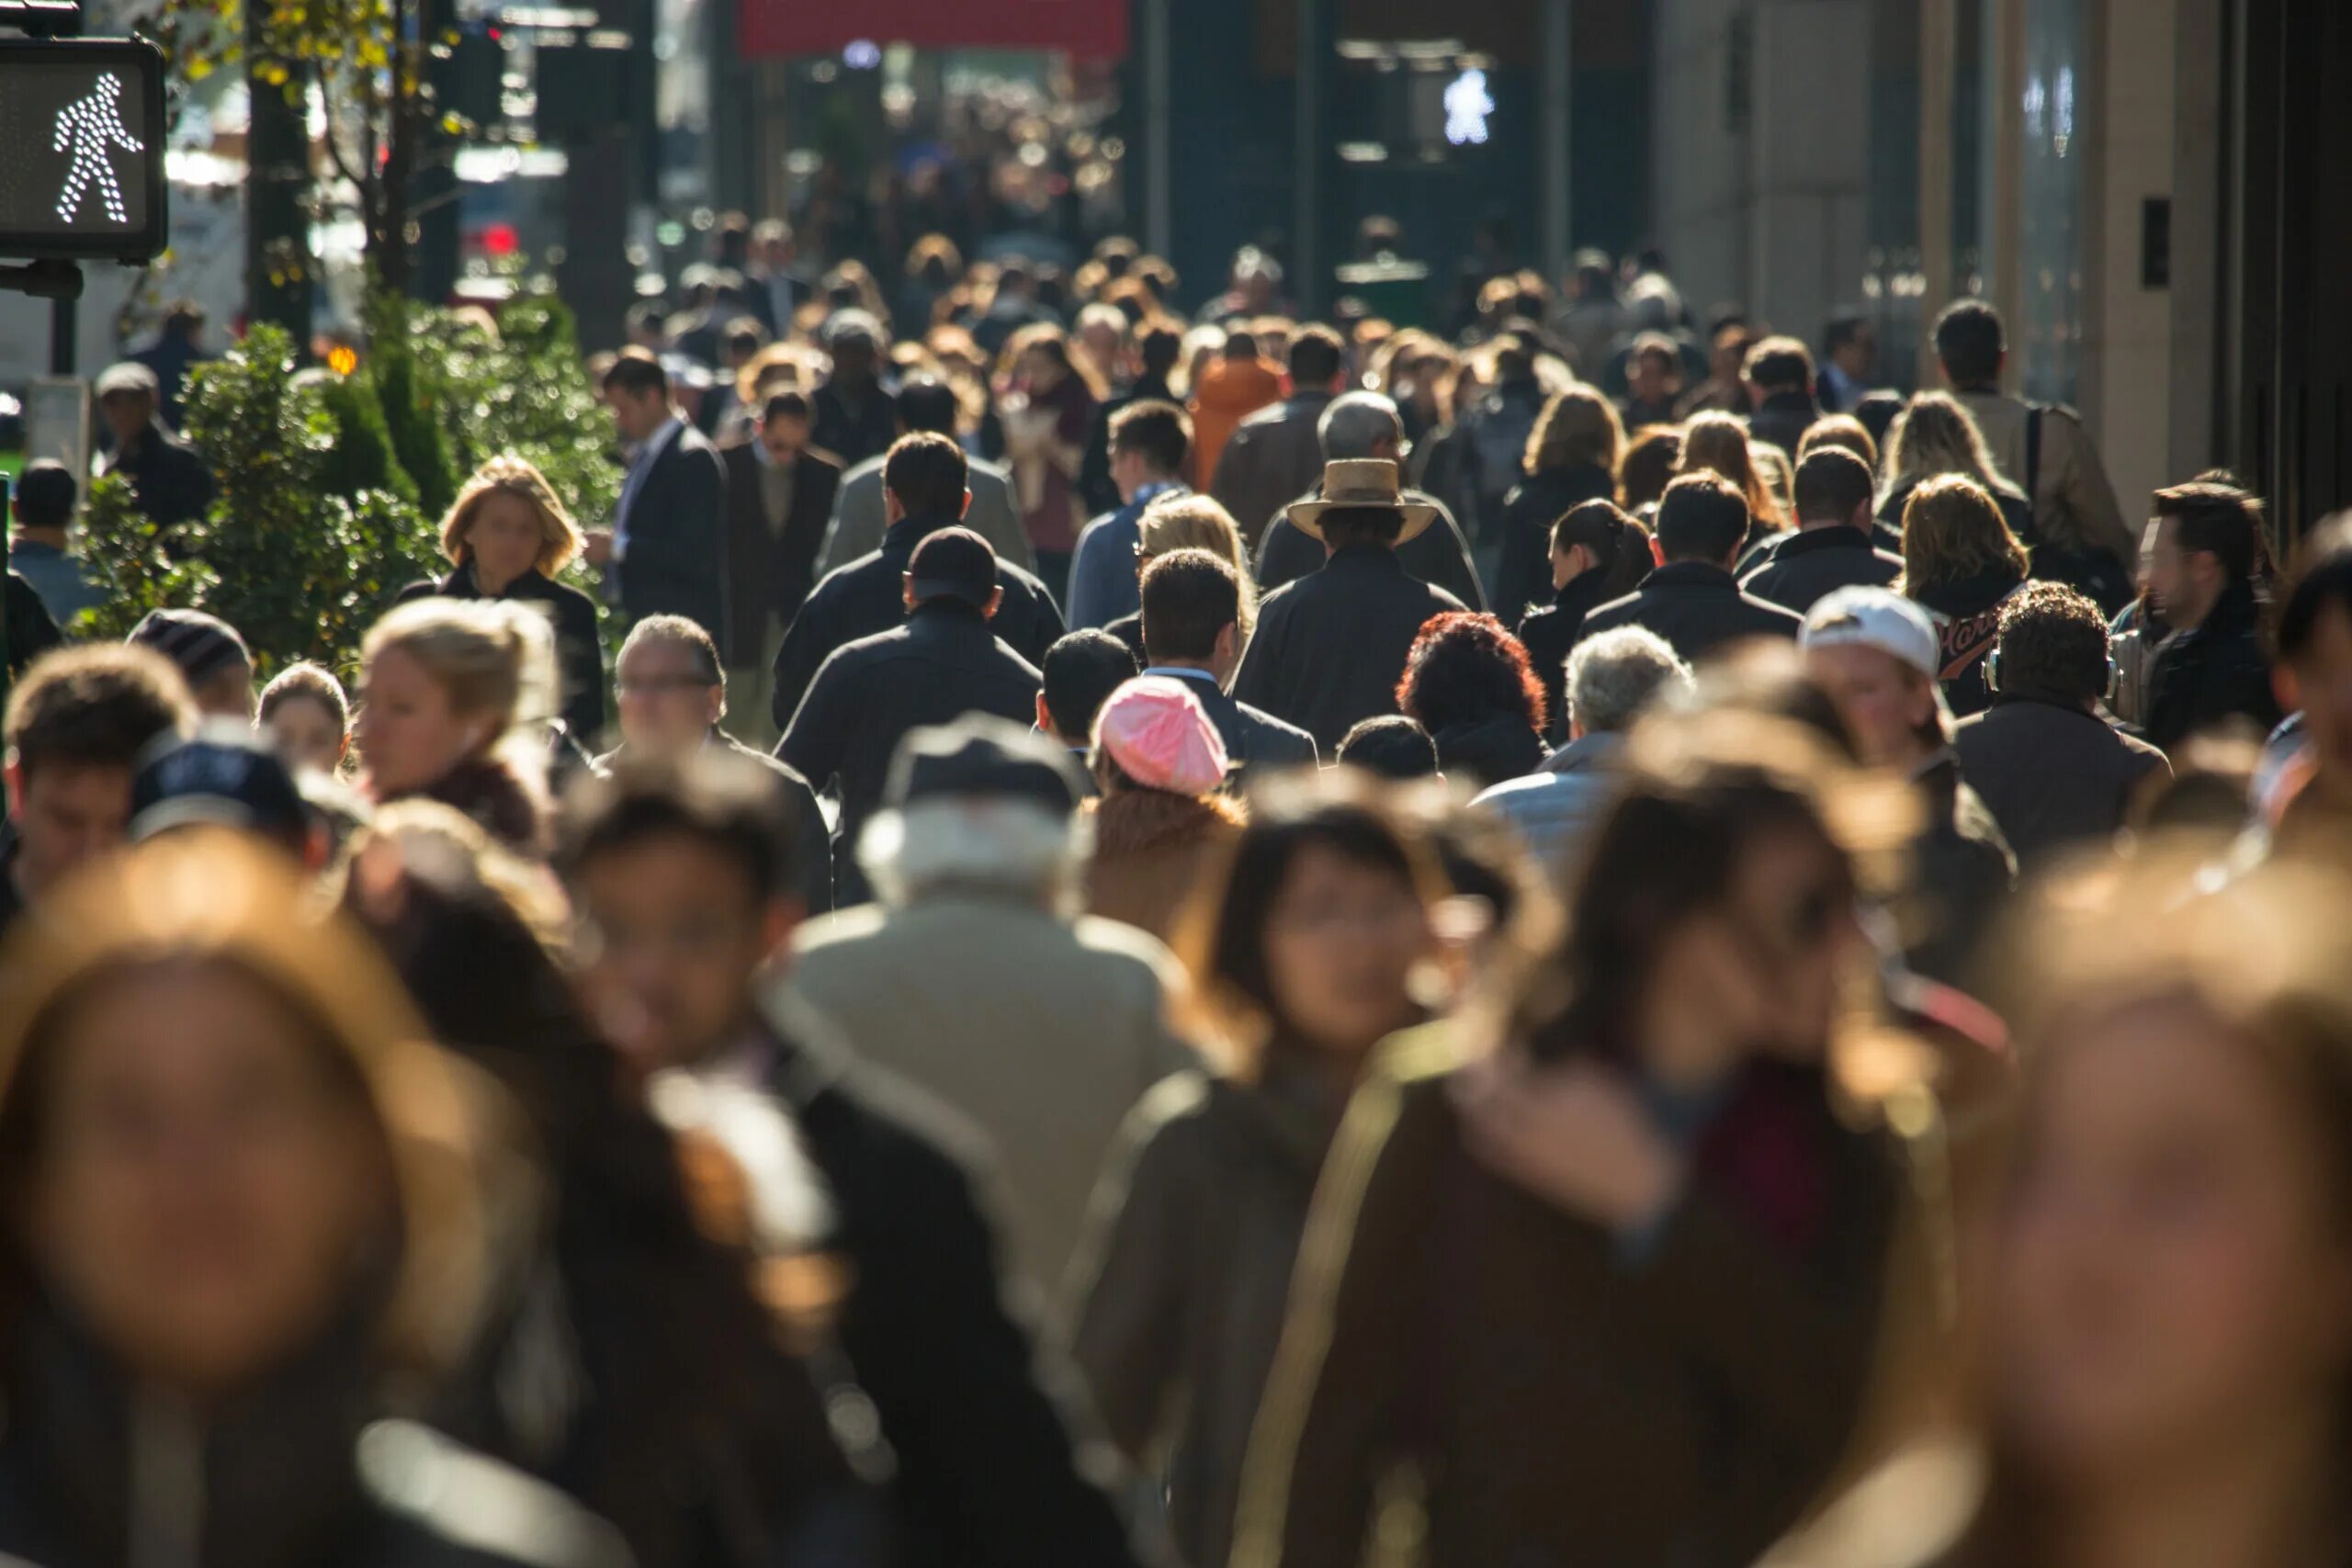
x=1874 y=617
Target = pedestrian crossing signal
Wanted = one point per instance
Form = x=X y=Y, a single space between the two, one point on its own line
x=81 y=149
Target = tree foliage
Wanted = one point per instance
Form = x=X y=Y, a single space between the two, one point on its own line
x=123 y=556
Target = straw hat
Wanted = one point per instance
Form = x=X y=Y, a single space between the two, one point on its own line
x=1363 y=482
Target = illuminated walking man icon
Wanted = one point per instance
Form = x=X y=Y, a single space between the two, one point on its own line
x=90 y=126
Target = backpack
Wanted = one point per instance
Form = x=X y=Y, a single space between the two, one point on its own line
x=2096 y=574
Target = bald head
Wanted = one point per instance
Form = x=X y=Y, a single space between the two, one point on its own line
x=1360 y=424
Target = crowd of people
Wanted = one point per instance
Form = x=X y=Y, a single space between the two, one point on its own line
x=1204 y=942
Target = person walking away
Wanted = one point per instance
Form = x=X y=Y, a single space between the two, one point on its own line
x=1467 y=682
x=980 y=1466
x=1498 y=425
x=1275 y=452
x=1613 y=678
x=943 y=661
x=976 y=863
x=1876 y=653
x=672 y=692
x=1390 y=747
x=1718 y=443
x=2205 y=571
x=854 y=418
x=42 y=506
x=1160 y=816
x=1778 y=373
x=1193 y=602
x=509 y=537
x=1692 y=601
x=926 y=488
x=1330 y=646
x=1592 y=317
x=2045 y=451
x=1961 y=564
x=1047 y=411
x=1359 y=426
x=1080 y=673
x=76 y=726
x=1148 y=442
x=211 y=655
x=1158 y=348
x=665 y=553
x=169 y=478
x=178 y=348
x=1598 y=555
x=779 y=497
x=861 y=509
x=1572 y=458
x=1934 y=436
x=1237 y=383
x=2056 y=774
x=1188 y=523
x=1175 y=1300
x=1833 y=546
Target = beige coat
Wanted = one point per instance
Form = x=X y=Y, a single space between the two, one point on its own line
x=1043 y=1033
x=2074 y=503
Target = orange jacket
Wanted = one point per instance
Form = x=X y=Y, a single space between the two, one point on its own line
x=1230 y=391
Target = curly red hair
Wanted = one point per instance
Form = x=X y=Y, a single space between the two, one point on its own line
x=1465 y=668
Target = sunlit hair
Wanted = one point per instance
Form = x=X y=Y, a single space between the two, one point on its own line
x=1935 y=435
x=1652 y=459
x=1842 y=430
x=560 y=539
x=1198 y=523
x=1051 y=340
x=1576 y=427
x=1952 y=530
x=212 y=899
x=1717 y=444
x=1463 y=669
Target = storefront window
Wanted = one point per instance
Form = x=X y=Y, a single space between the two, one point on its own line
x=2048 y=339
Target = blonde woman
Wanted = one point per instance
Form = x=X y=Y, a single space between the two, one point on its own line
x=1961 y=564
x=1935 y=436
x=508 y=535
x=1186 y=522
x=1573 y=456
x=1717 y=444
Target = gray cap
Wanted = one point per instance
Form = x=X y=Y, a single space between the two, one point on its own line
x=981 y=755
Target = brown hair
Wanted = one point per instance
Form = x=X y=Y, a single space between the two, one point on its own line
x=1716 y=443
x=94 y=707
x=1577 y=426
x=1652 y=459
x=560 y=539
x=1839 y=430
x=1200 y=523
x=1952 y=529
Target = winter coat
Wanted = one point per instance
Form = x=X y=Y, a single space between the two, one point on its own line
x=579 y=646
x=1230 y=391
x=1783 y=419
x=1175 y=1302
x=169 y=478
x=1568 y=1397
x=2055 y=775
x=771 y=563
x=1555 y=809
x=1103 y=584
x=1252 y=739
x=1967 y=613
x=1480 y=752
x=1152 y=850
x=1962 y=870
x=1331 y=647
x=2073 y=503
x=1523 y=581
x=1696 y=607
x=1438 y=555
x=673 y=534
x=1042 y=1032
x=860 y=517
x=1045 y=441
x=1273 y=454
x=2211 y=673
x=1549 y=635
x=500 y=799
x=1802 y=569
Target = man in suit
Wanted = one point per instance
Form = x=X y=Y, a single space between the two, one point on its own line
x=1367 y=425
x=1274 y=452
x=925 y=490
x=666 y=552
x=1693 y=601
x=860 y=514
x=945 y=662
x=779 y=494
x=1191 y=608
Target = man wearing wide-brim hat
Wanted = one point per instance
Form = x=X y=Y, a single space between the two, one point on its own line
x=1331 y=647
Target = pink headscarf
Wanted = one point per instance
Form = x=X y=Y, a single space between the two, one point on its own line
x=1161 y=736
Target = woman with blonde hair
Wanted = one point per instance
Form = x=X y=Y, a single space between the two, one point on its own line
x=1933 y=435
x=1572 y=456
x=1717 y=444
x=455 y=701
x=250 y=1220
x=510 y=536
x=1189 y=523
x=1961 y=564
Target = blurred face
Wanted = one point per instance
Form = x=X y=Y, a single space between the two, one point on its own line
x=205 y=1189
x=2169 y=1281
x=1129 y=471
x=306 y=733
x=1341 y=940
x=1884 y=702
x=1041 y=369
x=2186 y=584
x=504 y=539
x=671 y=935
x=1653 y=378
x=2321 y=685
x=667 y=702
x=786 y=438
x=636 y=415
x=127 y=414
x=228 y=693
x=65 y=815
x=1858 y=355
x=408 y=733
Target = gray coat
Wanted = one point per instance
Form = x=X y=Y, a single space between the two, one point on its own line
x=1556 y=808
x=859 y=521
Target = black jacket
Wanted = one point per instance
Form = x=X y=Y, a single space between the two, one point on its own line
x=1252 y=738
x=1271 y=456
x=1963 y=871
x=1331 y=647
x=170 y=478
x=1438 y=555
x=988 y=1473
x=770 y=569
x=854 y=427
x=1489 y=751
x=1968 y=622
x=1783 y=419
x=1804 y=568
x=1523 y=581
x=31 y=630
x=1550 y=635
x=2212 y=672
x=579 y=647
x=676 y=523
x=945 y=661
x=813 y=848
x=1696 y=607
x=2054 y=774
x=869 y=595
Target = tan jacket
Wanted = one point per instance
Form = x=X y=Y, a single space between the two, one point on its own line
x=2073 y=505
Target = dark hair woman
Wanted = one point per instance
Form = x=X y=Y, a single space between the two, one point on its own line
x=2164 y=1365
x=1303 y=947
x=1597 y=554
x=1572 y=458
x=249 y=1212
x=1961 y=564
x=1467 y=682
x=1047 y=398
x=1611 y=1288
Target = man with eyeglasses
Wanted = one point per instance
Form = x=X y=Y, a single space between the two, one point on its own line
x=671 y=692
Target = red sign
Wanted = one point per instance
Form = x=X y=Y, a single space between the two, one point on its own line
x=1092 y=30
